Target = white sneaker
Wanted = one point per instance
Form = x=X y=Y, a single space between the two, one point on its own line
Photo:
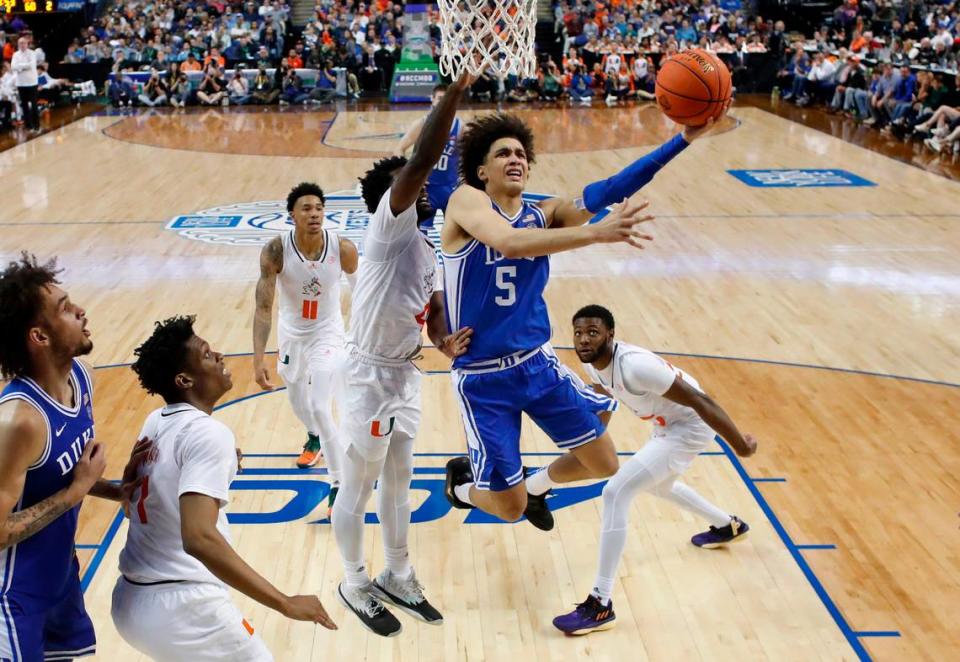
x=933 y=144
x=939 y=133
x=407 y=595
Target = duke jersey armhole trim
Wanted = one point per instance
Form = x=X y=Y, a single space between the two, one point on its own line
x=45 y=455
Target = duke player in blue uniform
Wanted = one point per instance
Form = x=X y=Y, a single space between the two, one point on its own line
x=444 y=177
x=48 y=462
x=495 y=248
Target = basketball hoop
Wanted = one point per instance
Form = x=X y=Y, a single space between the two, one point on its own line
x=492 y=36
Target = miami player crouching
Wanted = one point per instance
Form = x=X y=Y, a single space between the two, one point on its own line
x=171 y=600
x=685 y=419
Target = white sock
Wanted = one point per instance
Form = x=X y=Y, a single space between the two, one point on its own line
x=689 y=499
x=603 y=592
x=462 y=492
x=612 y=543
x=540 y=482
x=356 y=573
x=398 y=561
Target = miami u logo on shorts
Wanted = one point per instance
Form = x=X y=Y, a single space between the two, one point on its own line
x=378 y=429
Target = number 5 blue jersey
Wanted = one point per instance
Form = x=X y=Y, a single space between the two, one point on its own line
x=501 y=299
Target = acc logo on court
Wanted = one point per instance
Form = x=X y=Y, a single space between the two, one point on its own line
x=255 y=223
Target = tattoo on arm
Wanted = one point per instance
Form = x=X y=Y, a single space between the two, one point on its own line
x=25 y=523
x=271 y=262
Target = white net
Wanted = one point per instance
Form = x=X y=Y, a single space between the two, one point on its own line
x=491 y=36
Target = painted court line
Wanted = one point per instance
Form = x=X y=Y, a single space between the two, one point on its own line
x=815 y=546
x=852 y=637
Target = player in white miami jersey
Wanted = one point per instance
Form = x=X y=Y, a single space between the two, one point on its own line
x=306 y=263
x=684 y=419
x=397 y=292
x=171 y=600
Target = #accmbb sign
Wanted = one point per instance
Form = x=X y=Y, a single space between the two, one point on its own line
x=413 y=85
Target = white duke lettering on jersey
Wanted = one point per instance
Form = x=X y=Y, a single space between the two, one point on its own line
x=192 y=453
x=310 y=290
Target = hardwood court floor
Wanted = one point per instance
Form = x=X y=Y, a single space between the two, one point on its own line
x=750 y=288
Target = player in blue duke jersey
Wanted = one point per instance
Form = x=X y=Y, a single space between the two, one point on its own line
x=496 y=266
x=444 y=177
x=48 y=462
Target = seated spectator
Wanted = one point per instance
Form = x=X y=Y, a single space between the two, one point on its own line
x=797 y=68
x=580 y=87
x=904 y=96
x=850 y=79
x=295 y=61
x=238 y=88
x=155 y=92
x=215 y=57
x=264 y=89
x=618 y=85
x=885 y=90
x=551 y=86
x=181 y=95
x=213 y=89
x=598 y=80
x=293 y=89
x=121 y=90
x=863 y=98
x=819 y=80
x=326 y=87
x=191 y=64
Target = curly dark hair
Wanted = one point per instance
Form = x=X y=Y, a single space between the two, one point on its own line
x=302 y=189
x=21 y=299
x=479 y=136
x=378 y=179
x=595 y=311
x=163 y=355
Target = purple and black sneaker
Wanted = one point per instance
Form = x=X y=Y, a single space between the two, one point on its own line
x=589 y=616
x=715 y=537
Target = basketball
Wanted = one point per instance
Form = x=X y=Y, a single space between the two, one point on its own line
x=693 y=87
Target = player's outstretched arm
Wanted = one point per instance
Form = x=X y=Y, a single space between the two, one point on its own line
x=409 y=138
x=470 y=210
x=429 y=147
x=271 y=264
x=713 y=415
x=22 y=439
x=568 y=212
x=201 y=540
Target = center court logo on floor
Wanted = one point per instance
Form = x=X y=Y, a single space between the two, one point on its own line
x=255 y=223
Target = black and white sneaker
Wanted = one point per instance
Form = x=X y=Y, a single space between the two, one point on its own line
x=458 y=473
x=363 y=601
x=407 y=595
x=537 y=511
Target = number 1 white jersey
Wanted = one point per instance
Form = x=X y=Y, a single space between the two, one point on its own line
x=192 y=452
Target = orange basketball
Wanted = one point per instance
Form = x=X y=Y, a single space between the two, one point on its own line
x=693 y=86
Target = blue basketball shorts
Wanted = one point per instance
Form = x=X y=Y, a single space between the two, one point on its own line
x=492 y=401
x=32 y=632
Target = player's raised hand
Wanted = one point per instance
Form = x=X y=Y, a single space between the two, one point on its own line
x=262 y=375
x=88 y=470
x=307 y=608
x=131 y=479
x=691 y=133
x=622 y=224
x=457 y=343
x=750 y=446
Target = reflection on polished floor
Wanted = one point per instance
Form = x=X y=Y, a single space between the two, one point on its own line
x=823 y=318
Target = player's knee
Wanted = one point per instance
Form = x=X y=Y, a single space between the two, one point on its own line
x=512 y=504
x=606 y=465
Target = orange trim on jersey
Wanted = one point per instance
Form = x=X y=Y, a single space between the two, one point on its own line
x=247 y=625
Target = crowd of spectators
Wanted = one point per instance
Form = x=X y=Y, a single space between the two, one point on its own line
x=890 y=65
